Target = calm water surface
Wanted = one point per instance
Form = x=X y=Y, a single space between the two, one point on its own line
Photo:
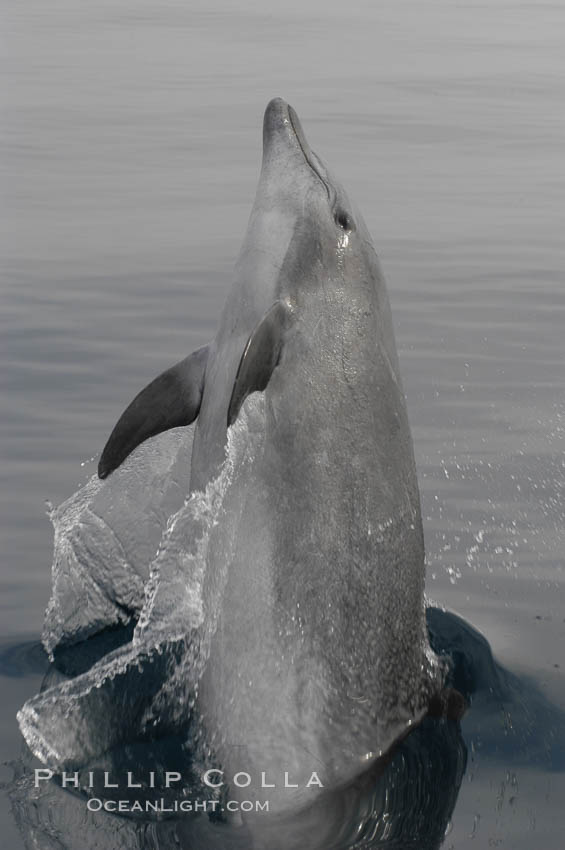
x=130 y=148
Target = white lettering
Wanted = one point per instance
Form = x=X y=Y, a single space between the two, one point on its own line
x=288 y=784
x=246 y=780
x=42 y=774
x=264 y=783
x=208 y=782
x=131 y=783
x=107 y=783
x=69 y=779
x=314 y=780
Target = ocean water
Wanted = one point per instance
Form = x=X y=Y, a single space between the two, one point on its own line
x=130 y=143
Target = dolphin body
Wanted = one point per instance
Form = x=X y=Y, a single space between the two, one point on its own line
x=319 y=658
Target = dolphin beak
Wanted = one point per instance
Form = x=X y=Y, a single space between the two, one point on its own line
x=282 y=125
x=283 y=135
x=276 y=123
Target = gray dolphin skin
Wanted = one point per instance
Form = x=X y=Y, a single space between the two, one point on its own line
x=319 y=659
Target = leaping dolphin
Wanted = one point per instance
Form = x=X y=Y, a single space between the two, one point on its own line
x=318 y=658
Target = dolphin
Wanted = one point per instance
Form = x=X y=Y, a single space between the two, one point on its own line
x=318 y=658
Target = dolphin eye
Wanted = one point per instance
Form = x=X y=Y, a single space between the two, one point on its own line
x=343 y=220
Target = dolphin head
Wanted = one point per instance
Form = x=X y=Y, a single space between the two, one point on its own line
x=292 y=171
x=303 y=228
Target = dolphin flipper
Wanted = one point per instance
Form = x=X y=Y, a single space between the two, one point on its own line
x=261 y=355
x=171 y=400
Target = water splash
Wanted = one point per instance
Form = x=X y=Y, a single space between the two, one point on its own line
x=148 y=686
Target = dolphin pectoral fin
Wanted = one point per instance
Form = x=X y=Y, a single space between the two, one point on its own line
x=171 y=400
x=261 y=355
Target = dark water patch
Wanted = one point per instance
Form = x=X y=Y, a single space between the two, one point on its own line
x=25 y=658
x=72 y=661
x=29 y=658
x=509 y=719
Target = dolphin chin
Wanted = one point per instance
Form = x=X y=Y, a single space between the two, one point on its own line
x=284 y=612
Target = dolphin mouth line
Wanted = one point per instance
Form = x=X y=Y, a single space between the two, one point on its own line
x=307 y=153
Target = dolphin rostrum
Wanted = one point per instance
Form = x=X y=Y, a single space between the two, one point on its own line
x=318 y=658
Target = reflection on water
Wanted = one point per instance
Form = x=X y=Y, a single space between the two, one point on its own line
x=129 y=155
x=410 y=799
x=406 y=799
